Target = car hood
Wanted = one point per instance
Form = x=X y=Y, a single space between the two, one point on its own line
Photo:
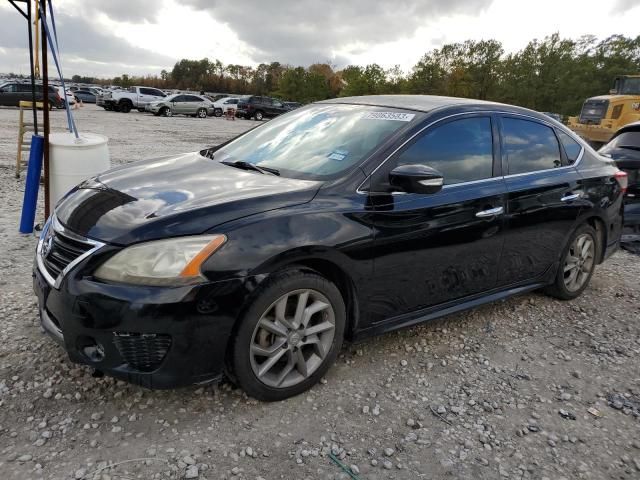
x=179 y=195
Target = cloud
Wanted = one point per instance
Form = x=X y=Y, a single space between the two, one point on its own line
x=85 y=46
x=307 y=31
x=621 y=6
x=133 y=11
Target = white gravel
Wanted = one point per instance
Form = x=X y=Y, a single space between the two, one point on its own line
x=504 y=391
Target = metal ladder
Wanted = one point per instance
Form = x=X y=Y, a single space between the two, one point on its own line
x=24 y=145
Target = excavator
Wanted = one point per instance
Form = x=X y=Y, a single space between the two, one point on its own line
x=603 y=115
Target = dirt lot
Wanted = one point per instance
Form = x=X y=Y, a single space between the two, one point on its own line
x=530 y=388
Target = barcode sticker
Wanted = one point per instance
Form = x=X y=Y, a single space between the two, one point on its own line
x=400 y=117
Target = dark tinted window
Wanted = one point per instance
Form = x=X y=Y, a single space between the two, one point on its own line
x=192 y=98
x=150 y=91
x=529 y=146
x=179 y=98
x=571 y=147
x=461 y=150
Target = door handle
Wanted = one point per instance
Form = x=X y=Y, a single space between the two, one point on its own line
x=569 y=197
x=492 y=212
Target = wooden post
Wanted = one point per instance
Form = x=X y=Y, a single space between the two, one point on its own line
x=45 y=106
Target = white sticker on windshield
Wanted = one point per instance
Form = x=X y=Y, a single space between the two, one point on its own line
x=400 y=117
x=338 y=155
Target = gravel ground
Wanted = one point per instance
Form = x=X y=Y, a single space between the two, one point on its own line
x=530 y=388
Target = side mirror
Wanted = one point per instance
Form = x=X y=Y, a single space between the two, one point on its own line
x=416 y=179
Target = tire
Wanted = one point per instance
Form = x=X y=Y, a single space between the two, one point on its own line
x=576 y=265
x=217 y=112
x=292 y=355
x=125 y=107
x=259 y=115
x=166 y=112
x=201 y=113
x=141 y=110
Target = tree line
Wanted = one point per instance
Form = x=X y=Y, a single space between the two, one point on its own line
x=555 y=74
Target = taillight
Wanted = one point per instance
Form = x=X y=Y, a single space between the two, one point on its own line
x=622 y=179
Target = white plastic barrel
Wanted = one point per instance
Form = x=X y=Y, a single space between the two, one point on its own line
x=73 y=160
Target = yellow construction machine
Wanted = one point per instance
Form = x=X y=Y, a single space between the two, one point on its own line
x=603 y=115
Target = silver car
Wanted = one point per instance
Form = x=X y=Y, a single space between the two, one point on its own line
x=181 y=104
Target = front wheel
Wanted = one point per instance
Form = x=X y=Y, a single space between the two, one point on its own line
x=217 y=112
x=258 y=115
x=577 y=264
x=202 y=113
x=125 y=107
x=166 y=112
x=289 y=336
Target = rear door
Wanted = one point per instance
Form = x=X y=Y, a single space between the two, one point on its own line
x=544 y=199
x=191 y=104
x=179 y=104
x=431 y=249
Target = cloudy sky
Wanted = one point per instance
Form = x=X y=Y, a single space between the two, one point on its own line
x=112 y=37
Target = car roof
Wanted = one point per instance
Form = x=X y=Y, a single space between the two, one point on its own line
x=629 y=127
x=421 y=103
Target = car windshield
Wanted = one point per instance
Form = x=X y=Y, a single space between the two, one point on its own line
x=319 y=141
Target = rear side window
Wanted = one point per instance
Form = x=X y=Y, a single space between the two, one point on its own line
x=529 y=146
x=461 y=150
x=571 y=147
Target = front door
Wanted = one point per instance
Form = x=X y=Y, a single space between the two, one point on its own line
x=433 y=248
x=544 y=199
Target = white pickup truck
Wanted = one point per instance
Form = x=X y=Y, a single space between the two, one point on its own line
x=125 y=100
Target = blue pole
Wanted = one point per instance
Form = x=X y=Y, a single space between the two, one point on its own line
x=32 y=184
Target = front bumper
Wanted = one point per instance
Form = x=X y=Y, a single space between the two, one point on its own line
x=157 y=337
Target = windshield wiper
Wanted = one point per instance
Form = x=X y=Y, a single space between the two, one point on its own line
x=250 y=166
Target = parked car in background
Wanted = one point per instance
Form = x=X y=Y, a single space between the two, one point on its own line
x=258 y=107
x=86 y=96
x=11 y=93
x=341 y=220
x=292 y=105
x=221 y=106
x=182 y=104
x=125 y=100
x=624 y=149
x=556 y=116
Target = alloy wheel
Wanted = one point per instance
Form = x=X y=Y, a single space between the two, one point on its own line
x=202 y=113
x=292 y=338
x=579 y=262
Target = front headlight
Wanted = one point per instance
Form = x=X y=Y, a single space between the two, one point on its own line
x=175 y=261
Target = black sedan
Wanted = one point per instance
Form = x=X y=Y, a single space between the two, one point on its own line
x=624 y=148
x=337 y=221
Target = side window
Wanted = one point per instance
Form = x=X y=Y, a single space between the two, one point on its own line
x=193 y=98
x=179 y=98
x=461 y=150
x=571 y=147
x=529 y=146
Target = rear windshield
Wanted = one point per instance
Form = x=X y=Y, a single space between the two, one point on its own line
x=319 y=141
x=630 y=140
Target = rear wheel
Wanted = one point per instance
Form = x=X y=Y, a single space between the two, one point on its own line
x=289 y=336
x=577 y=264
x=202 y=113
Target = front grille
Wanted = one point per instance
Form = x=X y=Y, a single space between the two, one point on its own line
x=593 y=111
x=142 y=351
x=60 y=250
